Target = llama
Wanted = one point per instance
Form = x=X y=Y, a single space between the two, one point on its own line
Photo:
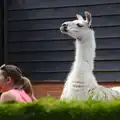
x=81 y=82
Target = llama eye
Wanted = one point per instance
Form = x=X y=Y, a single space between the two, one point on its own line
x=79 y=25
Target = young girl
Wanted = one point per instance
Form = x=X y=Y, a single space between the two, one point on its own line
x=14 y=86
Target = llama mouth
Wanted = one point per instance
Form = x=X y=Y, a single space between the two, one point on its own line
x=63 y=29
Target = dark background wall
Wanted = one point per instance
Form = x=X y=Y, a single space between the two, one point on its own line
x=36 y=45
x=1 y=32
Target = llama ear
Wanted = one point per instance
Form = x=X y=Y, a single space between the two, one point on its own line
x=88 y=18
x=79 y=17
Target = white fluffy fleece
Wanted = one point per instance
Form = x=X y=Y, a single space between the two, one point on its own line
x=81 y=82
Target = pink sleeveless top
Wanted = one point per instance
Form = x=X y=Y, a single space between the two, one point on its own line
x=20 y=95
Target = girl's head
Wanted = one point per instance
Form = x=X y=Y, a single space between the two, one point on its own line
x=11 y=77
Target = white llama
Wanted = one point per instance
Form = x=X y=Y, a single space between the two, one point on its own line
x=81 y=83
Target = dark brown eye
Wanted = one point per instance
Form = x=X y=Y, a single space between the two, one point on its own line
x=79 y=25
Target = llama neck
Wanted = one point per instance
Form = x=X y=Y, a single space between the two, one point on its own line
x=84 y=58
x=85 y=51
x=78 y=55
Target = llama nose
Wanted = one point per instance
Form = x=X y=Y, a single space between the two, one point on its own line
x=64 y=25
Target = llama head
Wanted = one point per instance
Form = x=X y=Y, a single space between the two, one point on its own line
x=79 y=28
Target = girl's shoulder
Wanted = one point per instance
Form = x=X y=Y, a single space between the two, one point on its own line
x=7 y=96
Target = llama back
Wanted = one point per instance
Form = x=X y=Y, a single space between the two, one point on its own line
x=103 y=93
